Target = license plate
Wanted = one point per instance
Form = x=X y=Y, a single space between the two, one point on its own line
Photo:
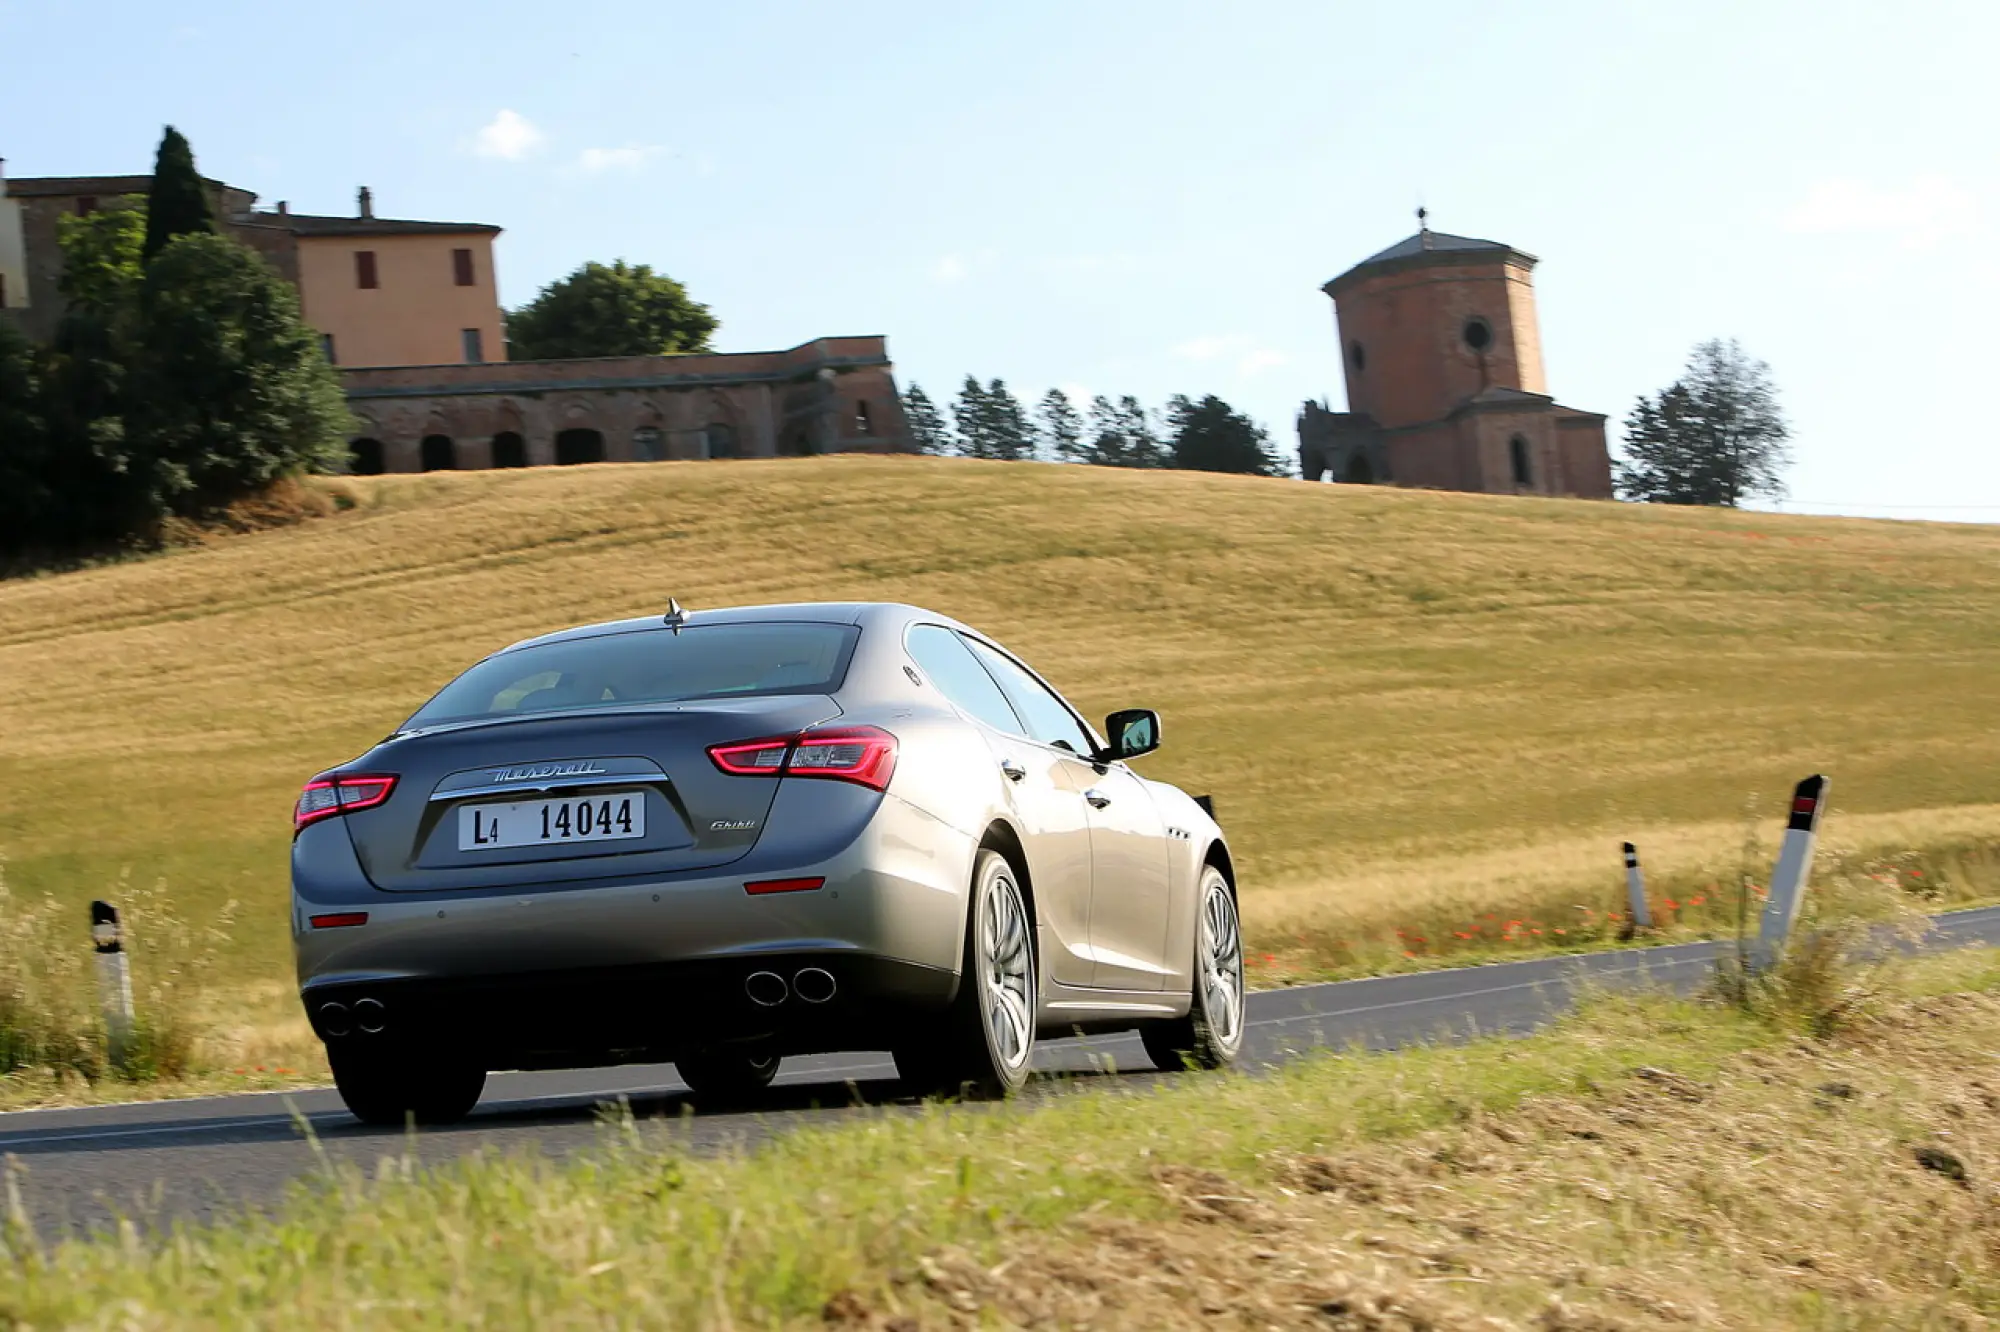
x=551 y=822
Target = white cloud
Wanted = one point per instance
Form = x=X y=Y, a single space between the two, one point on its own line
x=1247 y=358
x=629 y=158
x=509 y=136
x=1919 y=214
x=958 y=266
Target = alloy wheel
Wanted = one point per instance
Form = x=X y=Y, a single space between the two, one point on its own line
x=1222 y=965
x=1007 y=971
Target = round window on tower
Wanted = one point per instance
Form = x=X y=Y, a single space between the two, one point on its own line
x=1358 y=355
x=1478 y=334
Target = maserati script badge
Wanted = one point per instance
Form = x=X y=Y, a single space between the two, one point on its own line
x=542 y=771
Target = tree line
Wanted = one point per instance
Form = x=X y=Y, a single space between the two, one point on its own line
x=989 y=421
x=181 y=379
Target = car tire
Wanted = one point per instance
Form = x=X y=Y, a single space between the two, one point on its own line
x=727 y=1075
x=393 y=1090
x=1211 y=1035
x=985 y=1046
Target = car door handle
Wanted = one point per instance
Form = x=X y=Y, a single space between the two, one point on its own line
x=1015 y=772
x=1097 y=798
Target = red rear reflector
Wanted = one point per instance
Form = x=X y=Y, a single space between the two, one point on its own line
x=344 y=793
x=1804 y=805
x=340 y=920
x=784 y=886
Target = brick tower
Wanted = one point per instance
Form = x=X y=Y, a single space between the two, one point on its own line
x=1445 y=383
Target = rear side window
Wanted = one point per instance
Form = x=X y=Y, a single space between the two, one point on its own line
x=648 y=666
x=959 y=678
x=1049 y=719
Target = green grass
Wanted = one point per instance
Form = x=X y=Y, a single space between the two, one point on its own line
x=1644 y=1149
x=1427 y=713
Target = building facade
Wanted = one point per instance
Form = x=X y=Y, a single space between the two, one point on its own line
x=387 y=291
x=409 y=311
x=1446 y=387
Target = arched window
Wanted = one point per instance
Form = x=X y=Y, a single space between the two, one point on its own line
x=509 y=450
x=720 y=440
x=1517 y=452
x=438 y=455
x=579 y=445
x=364 y=457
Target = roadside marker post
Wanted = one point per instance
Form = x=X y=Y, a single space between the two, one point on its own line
x=1635 y=889
x=1788 y=877
x=114 y=976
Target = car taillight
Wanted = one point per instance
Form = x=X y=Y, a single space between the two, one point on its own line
x=325 y=797
x=862 y=754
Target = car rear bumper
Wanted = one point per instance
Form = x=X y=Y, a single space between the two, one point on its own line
x=633 y=1014
x=555 y=973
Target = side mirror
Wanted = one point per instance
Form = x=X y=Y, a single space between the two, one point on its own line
x=1132 y=732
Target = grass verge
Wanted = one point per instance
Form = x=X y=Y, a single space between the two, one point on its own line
x=1648 y=1161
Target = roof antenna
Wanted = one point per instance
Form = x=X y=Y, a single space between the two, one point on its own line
x=1424 y=225
x=675 y=619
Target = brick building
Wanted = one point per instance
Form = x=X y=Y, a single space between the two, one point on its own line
x=410 y=313
x=1446 y=388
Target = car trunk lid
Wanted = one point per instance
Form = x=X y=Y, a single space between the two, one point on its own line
x=604 y=794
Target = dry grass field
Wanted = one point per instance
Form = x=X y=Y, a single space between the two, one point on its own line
x=1433 y=714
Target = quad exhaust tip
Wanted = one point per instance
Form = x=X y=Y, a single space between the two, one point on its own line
x=767 y=989
x=334 y=1019
x=814 y=985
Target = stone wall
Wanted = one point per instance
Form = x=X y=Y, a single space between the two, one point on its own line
x=828 y=396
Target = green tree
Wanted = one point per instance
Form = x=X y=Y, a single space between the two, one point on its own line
x=1059 y=428
x=94 y=496
x=927 y=424
x=1713 y=436
x=103 y=255
x=230 y=391
x=991 y=422
x=178 y=203
x=614 y=309
x=25 y=498
x=1121 y=434
x=1212 y=436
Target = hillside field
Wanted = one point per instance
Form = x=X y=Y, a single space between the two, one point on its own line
x=1431 y=713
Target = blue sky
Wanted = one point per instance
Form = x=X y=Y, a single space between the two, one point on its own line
x=1144 y=197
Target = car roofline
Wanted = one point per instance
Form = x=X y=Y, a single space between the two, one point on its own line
x=800 y=612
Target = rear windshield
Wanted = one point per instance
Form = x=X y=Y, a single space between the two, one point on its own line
x=649 y=666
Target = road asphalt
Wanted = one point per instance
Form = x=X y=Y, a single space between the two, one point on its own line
x=192 y=1160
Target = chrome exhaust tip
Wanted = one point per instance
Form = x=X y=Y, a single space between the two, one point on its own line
x=767 y=989
x=334 y=1019
x=814 y=985
x=370 y=1016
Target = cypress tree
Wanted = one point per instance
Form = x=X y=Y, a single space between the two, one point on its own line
x=178 y=204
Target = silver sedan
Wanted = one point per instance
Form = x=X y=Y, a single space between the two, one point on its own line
x=721 y=837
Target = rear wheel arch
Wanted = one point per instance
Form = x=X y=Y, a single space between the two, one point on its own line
x=1000 y=836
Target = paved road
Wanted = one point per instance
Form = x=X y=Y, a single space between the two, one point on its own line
x=194 y=1159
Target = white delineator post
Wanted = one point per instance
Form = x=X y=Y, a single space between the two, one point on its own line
x=1635 y=888
x=114 y=976
x=1788 y=877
